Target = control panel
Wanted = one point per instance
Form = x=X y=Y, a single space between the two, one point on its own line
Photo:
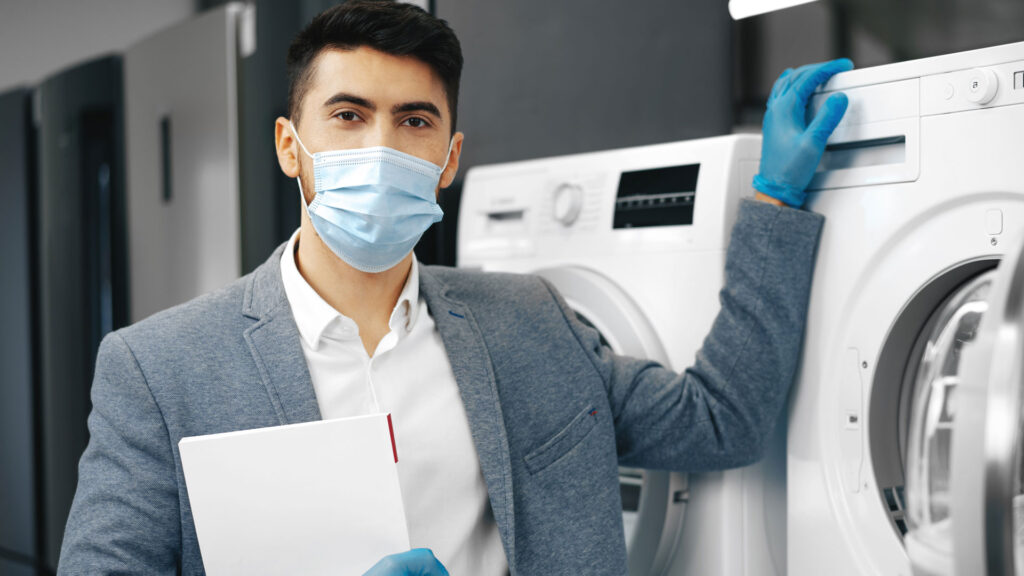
x=879 y=138
x=973 y=88
x=672 y=196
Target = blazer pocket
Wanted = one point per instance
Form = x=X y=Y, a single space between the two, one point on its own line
x=562 y=442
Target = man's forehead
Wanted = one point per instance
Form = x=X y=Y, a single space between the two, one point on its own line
x=374 y=75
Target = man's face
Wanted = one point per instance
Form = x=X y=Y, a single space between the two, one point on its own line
x=362 y=98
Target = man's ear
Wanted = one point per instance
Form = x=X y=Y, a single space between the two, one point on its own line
x=448 y=176
x=287 y=148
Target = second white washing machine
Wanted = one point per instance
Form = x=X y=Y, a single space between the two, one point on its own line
x=635 y=240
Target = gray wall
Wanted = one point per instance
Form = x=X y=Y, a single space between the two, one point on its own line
x=40 y=37
x=544 y=78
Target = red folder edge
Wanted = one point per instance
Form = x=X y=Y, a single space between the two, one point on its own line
x=391 y=430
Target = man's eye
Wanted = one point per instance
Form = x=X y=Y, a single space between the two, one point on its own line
x=348 y=116
x=416 y=122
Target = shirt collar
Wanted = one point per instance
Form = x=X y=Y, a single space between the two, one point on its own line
x=403 y=317
x=313 y=315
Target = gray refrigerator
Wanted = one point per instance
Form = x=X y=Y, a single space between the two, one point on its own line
x=184 y=193
x=63 y=288
x=19 y=535
x=82 y=276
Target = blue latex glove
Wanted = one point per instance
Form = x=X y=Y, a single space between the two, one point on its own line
x=791 y=149
x=415 y=562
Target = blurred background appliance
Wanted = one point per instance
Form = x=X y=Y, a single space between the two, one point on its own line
x=19 y=485
x=185 y=232
x=82 y=282
x=67 y=288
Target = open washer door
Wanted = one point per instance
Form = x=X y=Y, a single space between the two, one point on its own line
x=653 y=502
x=938 y=377
x=963 y=459
x=987 y=487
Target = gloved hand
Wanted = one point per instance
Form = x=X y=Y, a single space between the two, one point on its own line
x=415 y=562
x=790 y=149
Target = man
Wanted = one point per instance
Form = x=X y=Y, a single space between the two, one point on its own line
x=510 y=416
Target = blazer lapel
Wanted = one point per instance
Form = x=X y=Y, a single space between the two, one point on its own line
x=275 y=346
x=471 y=364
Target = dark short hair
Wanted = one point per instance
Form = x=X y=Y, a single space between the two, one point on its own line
x=394 y=28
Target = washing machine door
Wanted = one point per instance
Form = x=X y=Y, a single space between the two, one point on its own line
x=936 y=380
x=653 y=502
x=987 y=496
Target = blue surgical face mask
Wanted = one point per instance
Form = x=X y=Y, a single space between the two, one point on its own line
x=372 y=205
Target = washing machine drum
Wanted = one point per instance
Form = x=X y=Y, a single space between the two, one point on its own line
x=963 y=459
x=929 y=445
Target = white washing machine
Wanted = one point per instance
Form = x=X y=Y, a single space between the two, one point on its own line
x=635 y=240
x=921 y=189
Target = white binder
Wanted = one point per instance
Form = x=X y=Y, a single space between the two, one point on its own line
x=313 y=498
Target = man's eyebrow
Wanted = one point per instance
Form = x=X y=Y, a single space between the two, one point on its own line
x=424 y=106
x=342 y=97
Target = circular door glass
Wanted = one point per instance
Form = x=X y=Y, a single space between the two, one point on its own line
x=929 y=446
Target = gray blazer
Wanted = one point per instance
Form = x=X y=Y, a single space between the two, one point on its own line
x=552 y=412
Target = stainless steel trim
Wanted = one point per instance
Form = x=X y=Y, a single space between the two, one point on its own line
x=1002 y=427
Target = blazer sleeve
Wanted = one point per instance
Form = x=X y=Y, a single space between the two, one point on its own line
x=718 y=413
x=125 y=515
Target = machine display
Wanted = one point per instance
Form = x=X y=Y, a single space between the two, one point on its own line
x=646 y=276
x=656 y=197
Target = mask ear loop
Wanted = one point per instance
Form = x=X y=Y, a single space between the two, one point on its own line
x=299 y=178
x=299 y=140
x=448 y=157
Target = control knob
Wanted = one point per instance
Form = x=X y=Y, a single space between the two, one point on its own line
x=568 y=203
x=982 y=85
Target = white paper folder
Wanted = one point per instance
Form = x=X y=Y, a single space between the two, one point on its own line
x=313 y=498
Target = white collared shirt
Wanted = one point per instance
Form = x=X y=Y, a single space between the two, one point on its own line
x=409 y=375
